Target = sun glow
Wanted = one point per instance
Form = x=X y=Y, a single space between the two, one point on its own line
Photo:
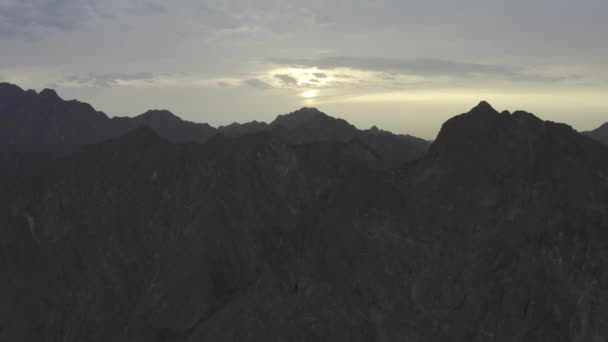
x=309 y=94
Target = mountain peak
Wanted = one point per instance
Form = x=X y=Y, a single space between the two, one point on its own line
x=501 y=141
x=49 y=93
x=308 y=110
x=483 y=108
x=158 y=116
x=10 y=91
x=297 y=118
x=159 y=113
x=4 y=86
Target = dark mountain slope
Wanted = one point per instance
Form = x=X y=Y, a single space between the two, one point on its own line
x=35 y=129
x=157 y=236
x=517 y=209
x=499 y=233
x=600 y=134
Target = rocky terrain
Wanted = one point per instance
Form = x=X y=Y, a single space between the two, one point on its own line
x=308 y=230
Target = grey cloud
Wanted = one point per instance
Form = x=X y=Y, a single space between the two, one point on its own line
x=27 y=18
x=319 y=75
x=108 y=80
x=524 y=77
x=152 y=8
x=223 y=84
x=256 y=83
x=286 y=79
x=314 y=80
x=344 y=76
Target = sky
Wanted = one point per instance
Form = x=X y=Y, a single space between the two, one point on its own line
x=403 y=65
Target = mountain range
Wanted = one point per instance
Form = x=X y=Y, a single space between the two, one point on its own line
x=36 y=128
x=304 y=229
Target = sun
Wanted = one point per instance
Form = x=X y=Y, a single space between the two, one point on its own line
x=309 y=94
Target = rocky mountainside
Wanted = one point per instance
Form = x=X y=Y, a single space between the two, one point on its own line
x=600 y=134
x=498 y=233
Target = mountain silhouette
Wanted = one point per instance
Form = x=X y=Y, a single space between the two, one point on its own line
x=496 y=232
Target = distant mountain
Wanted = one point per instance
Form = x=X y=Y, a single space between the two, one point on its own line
x=600 y=134
x=167 y=125
x=46 y=121
x=31 y=120
x=236 y=129
x=310 y=125
x=498 y=232
x=298 y=118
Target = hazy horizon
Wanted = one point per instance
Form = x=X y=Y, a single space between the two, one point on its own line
x=405 y=66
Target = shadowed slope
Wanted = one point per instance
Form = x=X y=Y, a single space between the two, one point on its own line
x=498 y=233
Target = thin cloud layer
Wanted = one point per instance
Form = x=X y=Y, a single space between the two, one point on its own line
x=108 y=80
x=28 y=18
x=418 y=67
x=256 y=83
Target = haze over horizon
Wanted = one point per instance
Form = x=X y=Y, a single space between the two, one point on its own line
x=405 y=66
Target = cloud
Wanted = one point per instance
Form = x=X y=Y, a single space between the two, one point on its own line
x=320 y=75
x=421 y=67
x=28 y=18
x=540 y=78
x=286 y=79
x=256 y=83
x=151 y=8
x=107 y=80
x=427 y=67
x=223 y=84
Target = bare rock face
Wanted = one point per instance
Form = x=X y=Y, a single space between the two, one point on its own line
x=498 y=233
